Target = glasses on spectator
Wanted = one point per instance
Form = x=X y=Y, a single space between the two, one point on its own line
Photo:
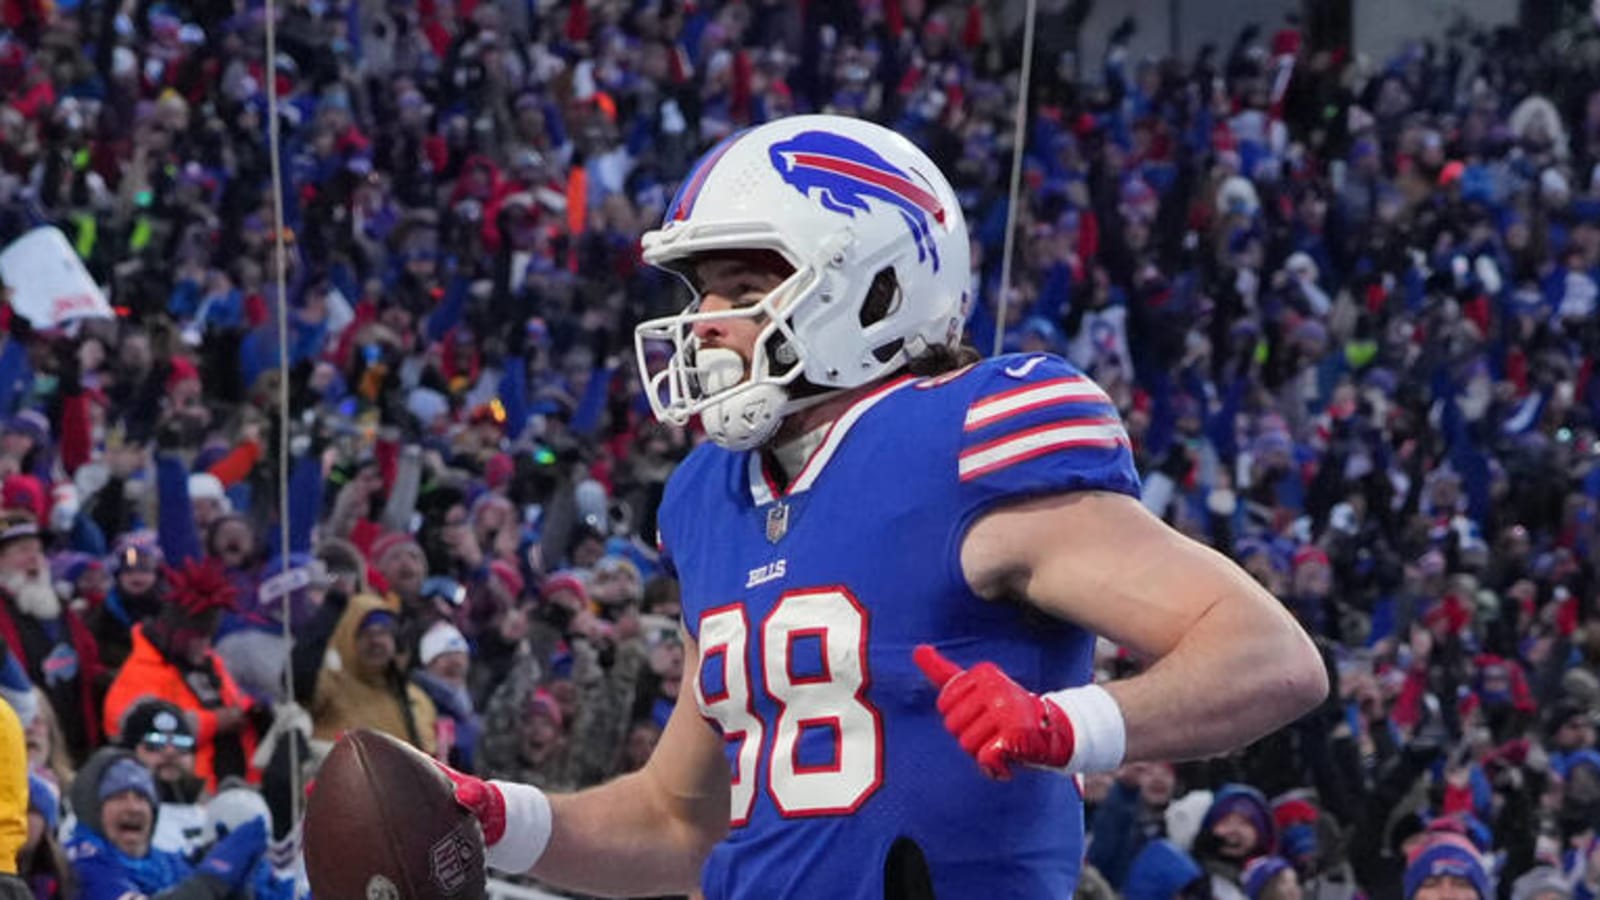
x=160 y=740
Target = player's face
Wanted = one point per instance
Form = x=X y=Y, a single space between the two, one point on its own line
x=126 y=819
x=1446 y=887
x=735 y=282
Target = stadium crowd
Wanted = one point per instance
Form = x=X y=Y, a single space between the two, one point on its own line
x=1346 y=306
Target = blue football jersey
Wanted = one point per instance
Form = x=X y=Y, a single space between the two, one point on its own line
x=806 y=605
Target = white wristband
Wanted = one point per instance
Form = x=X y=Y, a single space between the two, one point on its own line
x=528 y=827
x=1099 y=735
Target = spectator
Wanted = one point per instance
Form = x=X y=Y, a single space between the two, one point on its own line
x=1446 y=867
x=1237 y=828
x=236 y=806
x=111 y=848
x=135 y=597
x=363 y=685
x=161 y=739
x=252 y=640
x=1340 y=303
x=54 y=646
x=1270 y=878
x=172 y=660
x=446 y=661
x=1133 y=813
x=42 y=862
x=47 y=753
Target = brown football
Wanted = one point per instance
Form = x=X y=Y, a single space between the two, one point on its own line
x=382 y=824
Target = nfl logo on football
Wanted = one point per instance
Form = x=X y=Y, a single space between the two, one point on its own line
x=450 y=859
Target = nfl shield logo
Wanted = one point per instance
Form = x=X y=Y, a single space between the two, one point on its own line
x=452 y=859
x=777 y=522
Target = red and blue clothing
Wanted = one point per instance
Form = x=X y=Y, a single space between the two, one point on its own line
x=806 y=604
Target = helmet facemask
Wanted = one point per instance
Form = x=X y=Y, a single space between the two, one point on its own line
x=741 y=402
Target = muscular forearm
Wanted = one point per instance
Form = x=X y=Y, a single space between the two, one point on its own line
x=1237 y=674
x=629 y=824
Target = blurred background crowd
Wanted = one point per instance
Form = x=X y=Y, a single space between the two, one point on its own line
x=1347 y=307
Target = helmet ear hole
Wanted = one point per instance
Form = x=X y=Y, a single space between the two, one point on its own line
x=883 y=298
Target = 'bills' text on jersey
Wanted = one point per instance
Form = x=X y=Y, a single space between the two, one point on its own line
x=806 y=605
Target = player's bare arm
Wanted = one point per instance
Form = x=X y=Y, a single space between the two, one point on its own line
x=653 y=828
x=1229 y=663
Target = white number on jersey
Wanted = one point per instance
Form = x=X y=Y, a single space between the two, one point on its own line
x=832 y=700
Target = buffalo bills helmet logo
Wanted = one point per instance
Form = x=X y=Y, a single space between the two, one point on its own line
x=843 y=174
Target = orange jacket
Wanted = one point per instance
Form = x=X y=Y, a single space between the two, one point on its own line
x=146 y=673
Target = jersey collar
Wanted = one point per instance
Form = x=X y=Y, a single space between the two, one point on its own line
x=765 y=490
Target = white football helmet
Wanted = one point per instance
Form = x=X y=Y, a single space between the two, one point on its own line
x=859 y=211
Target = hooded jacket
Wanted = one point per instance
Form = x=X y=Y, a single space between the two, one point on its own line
x=106 y=873
x=351 y=696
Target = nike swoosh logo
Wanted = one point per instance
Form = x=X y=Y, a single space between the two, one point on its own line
x=1021 y=370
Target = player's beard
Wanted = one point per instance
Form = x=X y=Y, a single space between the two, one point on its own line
x=35 y=594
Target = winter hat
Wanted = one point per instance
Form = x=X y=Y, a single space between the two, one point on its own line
x=498 y=470
x=200 y=587
x=24 y=492
x=1446 y=854
x=137 y=555
x=564 y=581
x=1296 y=819
x=15 y=526
x=206 y=486
x=152 y=716
x=1259 y=872
x=30 y=423
x=380 y=617
x=45 y=799
x=508 y=577
x=442 y=638
x=127 y=774
x=182 y=370
x=387 y=542
x=235 y=804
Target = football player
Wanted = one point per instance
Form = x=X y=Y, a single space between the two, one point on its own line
x=895 y=560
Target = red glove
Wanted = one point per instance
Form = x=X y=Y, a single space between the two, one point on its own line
x=997 y=721
x=485 y=801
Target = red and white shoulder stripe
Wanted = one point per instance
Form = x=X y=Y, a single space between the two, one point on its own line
x=1022 y=446
x=1043 y=406
x=996 y=408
